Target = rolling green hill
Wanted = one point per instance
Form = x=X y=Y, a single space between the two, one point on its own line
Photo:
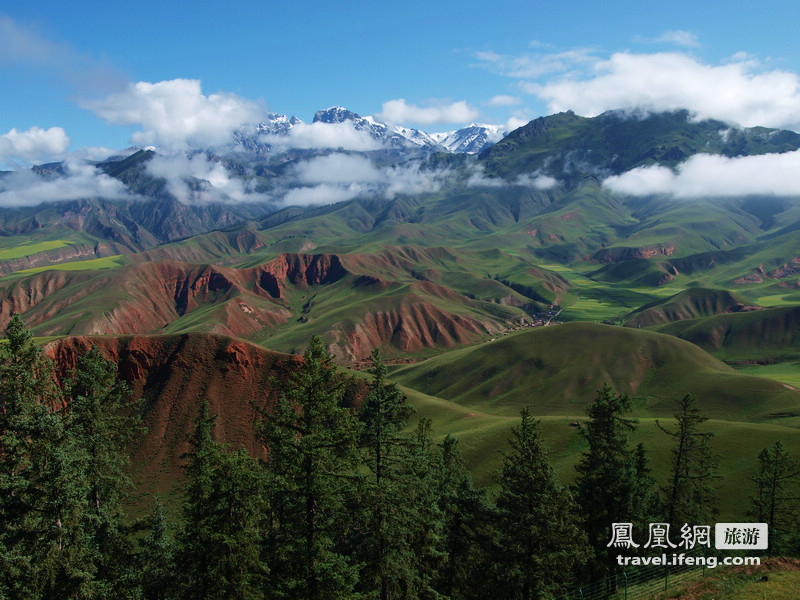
x=558 y=369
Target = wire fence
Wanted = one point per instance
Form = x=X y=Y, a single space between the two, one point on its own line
x=637 y=583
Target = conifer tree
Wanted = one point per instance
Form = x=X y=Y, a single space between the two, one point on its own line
x=612 y=484
x=312 y=446
x=43 y=552
x=423 y=534
x=542 y=543
x=777 y=496
x=383 y=547
x=219 y=546
x=469 y=536
x=155 y=564
x=691 y=497
x=100 y=422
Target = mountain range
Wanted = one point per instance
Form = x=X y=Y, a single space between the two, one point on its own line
x=469 y=140
x=494 y=278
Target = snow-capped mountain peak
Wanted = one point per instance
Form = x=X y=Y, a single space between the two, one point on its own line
x=471 y=139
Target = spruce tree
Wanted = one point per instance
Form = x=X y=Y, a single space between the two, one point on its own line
x=43 y=550
x=382 y=547
x=469 y=534
x=219 y=546
x=777 y=494
x=155 y=568
x=100 y=422
x=612 y=484
x=423 y=535
x=691 y=497
x=312 y=448
x=542 y=543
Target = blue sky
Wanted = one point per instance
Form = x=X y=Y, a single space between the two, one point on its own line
x=103 y=75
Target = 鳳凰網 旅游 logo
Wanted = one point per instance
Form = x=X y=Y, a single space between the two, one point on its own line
x=727 y=536
x=689 y=546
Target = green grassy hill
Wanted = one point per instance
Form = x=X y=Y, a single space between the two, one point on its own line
x=557 y=370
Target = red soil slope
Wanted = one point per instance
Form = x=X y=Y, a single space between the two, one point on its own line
x=172 y=374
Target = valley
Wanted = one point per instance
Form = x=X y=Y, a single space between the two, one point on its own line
x=521 y=279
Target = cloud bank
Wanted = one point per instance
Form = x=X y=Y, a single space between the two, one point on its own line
x=706 y=175
x=736 y=92
x=740 y=91
x=34 y=144
x=79 y=180
x=200 y=179
x=176 y=114
x=317 y=136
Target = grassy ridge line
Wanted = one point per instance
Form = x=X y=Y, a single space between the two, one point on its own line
x=483 y=436
x=765 y=335
x=558 y=369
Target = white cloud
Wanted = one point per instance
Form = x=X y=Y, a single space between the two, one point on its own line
x=540 y=182
x=504 y=100
x=321 y=194
x=324 y=135
x=515 y=122
x=33 y=145
x=177 y=169
x=338 y=169
x=400 y=111
x=175 y=113
x=339 y=177
x=81 y=180
x=735 y=92
x=705 y=175
x=739 y=91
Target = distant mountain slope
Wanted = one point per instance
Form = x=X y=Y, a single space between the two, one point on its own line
x=689 y=304
x=764 y=336
x=408 y=299
x=567 y=145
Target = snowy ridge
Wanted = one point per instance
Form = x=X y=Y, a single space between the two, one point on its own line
x=469 y=140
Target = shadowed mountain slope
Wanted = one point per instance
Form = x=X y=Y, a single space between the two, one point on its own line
x=762 y=336
x=689 y=304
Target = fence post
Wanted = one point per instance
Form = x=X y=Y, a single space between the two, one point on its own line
x=666 y=577
x=704 y=560
x=625 y=575
x=581 y=592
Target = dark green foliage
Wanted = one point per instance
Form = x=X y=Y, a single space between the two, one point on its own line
x=469 y=534
x=219 y=547
x=100 y=422
x=155 y=573
x=383 y=547
x=42 y=543
x=777 y=495
x=690 y=496
x=312 y=445
x=421 y=499
x=541 y=543
x=612 y=484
